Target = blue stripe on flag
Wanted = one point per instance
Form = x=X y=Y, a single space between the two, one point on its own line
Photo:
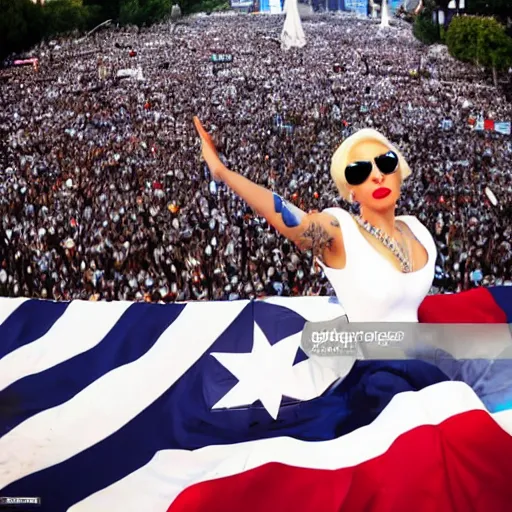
x=503 y=297
x=16 y=331
x=132 y=336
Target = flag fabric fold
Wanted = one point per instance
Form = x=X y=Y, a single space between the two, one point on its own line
x=130 y=407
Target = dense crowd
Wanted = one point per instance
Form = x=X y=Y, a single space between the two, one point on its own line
x=103 y=194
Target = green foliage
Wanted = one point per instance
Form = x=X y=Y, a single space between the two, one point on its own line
x=21 y=25
x=62 y=16
x=221 y=6
x=206 y=6
x=149 y=11
x=462 y=38
x=494 y=46
x=480 y=41
x=139 y=12
x=109 y=9
x=24 y=23
x=130 y=12
x=425 y=30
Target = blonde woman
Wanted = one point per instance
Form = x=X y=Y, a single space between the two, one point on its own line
x=381 y=266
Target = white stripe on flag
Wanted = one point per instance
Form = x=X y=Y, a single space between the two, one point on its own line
x=153 y=487
x=83 y=325
x=50 y=437
x=504 y=419
x=7 y=307
x=309 y=307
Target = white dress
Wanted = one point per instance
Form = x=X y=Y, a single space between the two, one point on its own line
x=370 y=288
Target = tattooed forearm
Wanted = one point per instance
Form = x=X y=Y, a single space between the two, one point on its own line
x=316 y=238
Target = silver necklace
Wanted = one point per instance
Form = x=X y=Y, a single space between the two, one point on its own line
x=390 y=243
x=406 y=249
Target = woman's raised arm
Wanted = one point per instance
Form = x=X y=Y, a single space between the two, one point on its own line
x=316 y=231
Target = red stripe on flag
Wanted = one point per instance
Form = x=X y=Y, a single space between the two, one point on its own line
x=488 y=124
x=464 y=464
x=475 y=306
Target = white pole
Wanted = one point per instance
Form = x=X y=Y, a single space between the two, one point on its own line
x=384 y=16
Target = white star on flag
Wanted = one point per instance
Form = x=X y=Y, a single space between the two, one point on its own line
x=263 y=374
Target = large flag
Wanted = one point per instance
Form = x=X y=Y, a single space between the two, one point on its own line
x=108 y=407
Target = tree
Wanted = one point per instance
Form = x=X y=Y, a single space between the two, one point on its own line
x=139 y=12
x=480 y=41
x=462 y=38
x=109 y=8
x=424 y=28
x=63 y=16
x=494 y=47
x=24 y=23
x=21 y=26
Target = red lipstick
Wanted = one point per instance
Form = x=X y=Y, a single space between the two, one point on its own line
x=381 y=193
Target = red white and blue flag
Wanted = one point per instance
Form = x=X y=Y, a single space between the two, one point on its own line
x=213 y=406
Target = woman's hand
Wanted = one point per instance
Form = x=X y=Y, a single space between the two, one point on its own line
x=209 y=152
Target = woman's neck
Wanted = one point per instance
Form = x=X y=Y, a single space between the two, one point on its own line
x=385 y=221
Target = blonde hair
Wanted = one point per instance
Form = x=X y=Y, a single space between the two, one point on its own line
x=340 y=159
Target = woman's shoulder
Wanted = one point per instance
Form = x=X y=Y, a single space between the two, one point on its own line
x=343 y=217
x=336 y=211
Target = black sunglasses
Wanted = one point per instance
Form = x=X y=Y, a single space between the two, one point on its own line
x=357 y=173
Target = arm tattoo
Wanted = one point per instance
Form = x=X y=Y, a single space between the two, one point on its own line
x=316 y=238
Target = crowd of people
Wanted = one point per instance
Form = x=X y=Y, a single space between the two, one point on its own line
x=103 y=195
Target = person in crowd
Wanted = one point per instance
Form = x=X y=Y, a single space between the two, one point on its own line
x=102 y=196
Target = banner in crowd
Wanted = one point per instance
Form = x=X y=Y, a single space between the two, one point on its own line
x=221 y=58
x=394 y=5
x=271 y=6
x=357 y=6
x=130 y=73
x=8 y=63
x=239 y=4
x=446 y=124
x=110 y=406
x=275 y=6
x=26 y=62
x=481 y=124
